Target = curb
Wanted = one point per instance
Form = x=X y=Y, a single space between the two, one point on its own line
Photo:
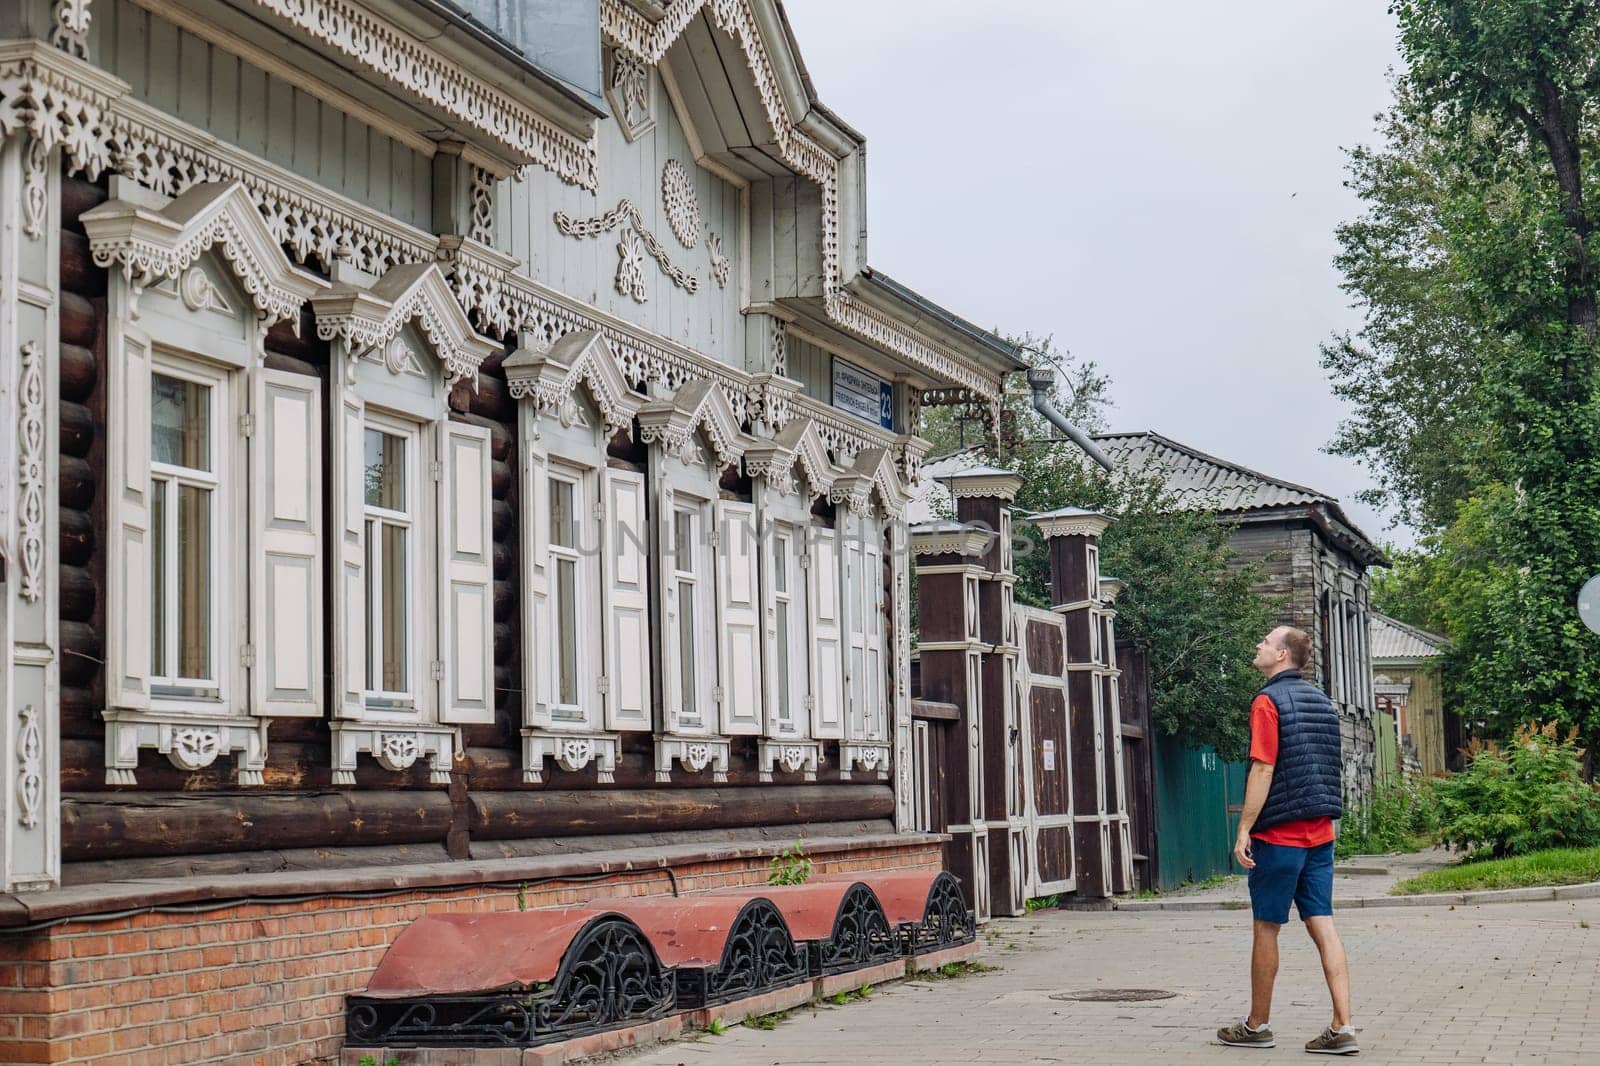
x=1542 y=894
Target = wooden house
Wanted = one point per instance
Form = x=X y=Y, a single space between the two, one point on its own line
x=1406 y=683
x=472 y=447
x=1313 y=562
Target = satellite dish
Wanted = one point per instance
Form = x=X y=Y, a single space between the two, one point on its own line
x=1589 y=603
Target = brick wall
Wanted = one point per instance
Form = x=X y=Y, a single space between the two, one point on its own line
x=264 y=982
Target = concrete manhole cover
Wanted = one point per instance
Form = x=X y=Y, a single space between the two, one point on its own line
x=1114 y=995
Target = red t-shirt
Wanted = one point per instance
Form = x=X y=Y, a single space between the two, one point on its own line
x=1307 y=832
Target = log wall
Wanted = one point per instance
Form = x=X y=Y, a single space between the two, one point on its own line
x=171 y=812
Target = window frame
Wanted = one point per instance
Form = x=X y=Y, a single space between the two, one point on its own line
x=422 y=544
x=588 y=608
x=227 y=585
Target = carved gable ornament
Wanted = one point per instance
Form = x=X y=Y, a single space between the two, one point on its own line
x=797 y=449
x=153 y=246
x=548 y=379
x=873 y=471
x=372 y=317
x=631 y=92
x=699 y=406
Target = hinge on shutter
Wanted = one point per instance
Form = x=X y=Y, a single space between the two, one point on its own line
x=599 y=512
x=716 y=538
x=602 y=685
x=247 y=425
x=716 y=695
x=805 y=560
x=436 y=670
x=811 y=702
x=438 y=470
x=247 y=656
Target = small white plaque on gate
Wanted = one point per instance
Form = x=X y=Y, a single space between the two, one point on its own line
x=1049 y=755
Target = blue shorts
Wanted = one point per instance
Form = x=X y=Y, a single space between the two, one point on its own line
x=1283 y=873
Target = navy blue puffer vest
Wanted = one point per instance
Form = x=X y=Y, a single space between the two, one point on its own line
x=1306 y=779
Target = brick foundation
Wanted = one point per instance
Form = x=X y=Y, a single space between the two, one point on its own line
x=263 y=982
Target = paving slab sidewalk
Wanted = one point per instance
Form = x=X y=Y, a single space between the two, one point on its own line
x=1441 y=984
x=1358 y=877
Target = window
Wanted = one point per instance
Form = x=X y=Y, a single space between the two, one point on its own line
x=783 y=622
x=185 y=505
x=685 y=539
x=571 y=598
x=390 y=521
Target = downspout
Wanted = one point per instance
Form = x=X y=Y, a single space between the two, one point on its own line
x=1039 y=380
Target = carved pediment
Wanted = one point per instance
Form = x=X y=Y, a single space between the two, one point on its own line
x=547 y=379
x=699 y=407
x=372 y=317
x=796 y=450
x=873 y=471
x=152 y=246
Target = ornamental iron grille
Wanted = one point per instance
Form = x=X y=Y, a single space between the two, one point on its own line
x=946 y=921
x=759 y=957
x=861 y=936
x=609 y=977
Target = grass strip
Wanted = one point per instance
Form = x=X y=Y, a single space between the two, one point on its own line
x=1555 y=866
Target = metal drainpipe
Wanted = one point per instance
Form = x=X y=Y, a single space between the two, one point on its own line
x=1039 y=380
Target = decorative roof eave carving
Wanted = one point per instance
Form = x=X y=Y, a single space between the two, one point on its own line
x=548 y=378
x=797 y=448
x=368 y=317
x=150 y=244
x=806 y=154
x=1070 y=522
x=983 y=482
x=528 y=127
x=946 y=537
x=701 y=407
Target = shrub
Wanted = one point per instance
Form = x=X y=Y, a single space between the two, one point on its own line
x=790 y=868
x=1396 y=818
x=1526 y=797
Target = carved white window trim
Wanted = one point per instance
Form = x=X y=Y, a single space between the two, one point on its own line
x=31 y=472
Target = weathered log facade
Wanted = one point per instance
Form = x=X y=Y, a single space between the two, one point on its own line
x=439 y=458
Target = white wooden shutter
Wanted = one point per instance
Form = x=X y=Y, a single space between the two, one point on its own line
x=626 y=601
x=536 y=633
x=350 y=588
x=128 y=520
x=827 y=650
x=739 y=616
x=466 y=576
x=286 y=546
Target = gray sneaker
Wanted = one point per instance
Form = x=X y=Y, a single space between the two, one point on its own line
x=1239 y=1034
x=1334 y=1042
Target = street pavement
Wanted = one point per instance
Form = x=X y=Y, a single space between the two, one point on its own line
x=1498 y=983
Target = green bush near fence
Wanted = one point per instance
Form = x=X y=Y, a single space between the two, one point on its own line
x=1527 y=796
x=1396 y=818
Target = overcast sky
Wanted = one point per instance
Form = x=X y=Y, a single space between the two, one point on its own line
x=1154 y=183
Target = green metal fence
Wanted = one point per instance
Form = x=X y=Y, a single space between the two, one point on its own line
x=1198 y=796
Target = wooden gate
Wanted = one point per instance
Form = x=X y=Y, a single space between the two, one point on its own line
x=1044 y=753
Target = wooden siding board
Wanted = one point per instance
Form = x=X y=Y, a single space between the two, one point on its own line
x=229 y=99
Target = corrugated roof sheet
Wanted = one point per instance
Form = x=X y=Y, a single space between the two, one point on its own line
x=1202 y=482
x=1394 y=640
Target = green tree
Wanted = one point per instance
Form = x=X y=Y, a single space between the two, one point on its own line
x=1479 y=229
x=1187 y=598
x=1410 y=373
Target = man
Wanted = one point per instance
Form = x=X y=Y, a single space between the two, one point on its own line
x=1291 y=797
